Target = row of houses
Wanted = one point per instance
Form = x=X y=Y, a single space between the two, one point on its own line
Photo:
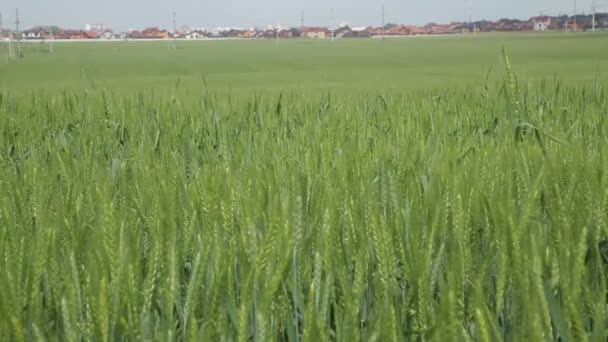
x=566 y=23
x=540 y=23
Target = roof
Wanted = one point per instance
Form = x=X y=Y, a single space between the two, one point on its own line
x=153 y=30
x=89 y=34
x=313 y=29
x=37 y=29
x=83 y=33
x=541 y=18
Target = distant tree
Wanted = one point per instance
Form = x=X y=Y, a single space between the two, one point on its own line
x=390 y=26
x=55 y=29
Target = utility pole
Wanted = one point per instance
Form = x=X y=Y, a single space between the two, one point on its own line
x=574 y=17
x=471 y=26
x=302 y=18
x=52 y=39
x=174 y=24
x=383 y=23
x=172 y=40
x=593 y=18
x=332 y=25
x=17 y=22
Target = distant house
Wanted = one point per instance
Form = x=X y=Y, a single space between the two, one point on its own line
x=541 y=24
x=344 y=32
x=376 y=31
x=268 y=34
x=438 y=29
x=399 y=30
x=196 y=34
x=5 y=33
x=249 y=34
x=289 y=33
x=584 y=22
x=193 y=35
x=315 y=32
x=107 y=35
x=462 y=27
x=149 y=33
x=77 y=34
x=362 y=34
x=184 y=30
x=416 y=30
x=233 y=33
x=89 y=35
x=134 y=34
x=483 y=26
x=38 y=32
x=358 y=32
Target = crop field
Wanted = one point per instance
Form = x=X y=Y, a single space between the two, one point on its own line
x=439 y=188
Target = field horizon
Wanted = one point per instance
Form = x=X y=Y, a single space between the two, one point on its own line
x=307 y=66
x=443 y=189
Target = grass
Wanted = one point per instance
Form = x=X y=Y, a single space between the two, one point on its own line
x=346 y=66
x=376 y=212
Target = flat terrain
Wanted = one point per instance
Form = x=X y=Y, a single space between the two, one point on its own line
x=308 y=66
x=364 y=190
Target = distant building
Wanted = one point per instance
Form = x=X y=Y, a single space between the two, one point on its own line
x=315 y=32
x=438 y=29
x=95 y=27
x=108 y=35
x=149 y=33
x=541 y=24
x=77 y=34
x=38 y=32
x=344 y=32
x=196 y=34
x=5 y=34
x=250 y=34
x=184 y=30
x=289 y=33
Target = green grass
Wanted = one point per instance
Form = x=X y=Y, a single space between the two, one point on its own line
x=345 y=66
x=379 y=210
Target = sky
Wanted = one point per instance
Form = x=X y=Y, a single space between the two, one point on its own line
x=125 y=14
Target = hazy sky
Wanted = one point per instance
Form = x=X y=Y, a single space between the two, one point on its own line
x=124 y=14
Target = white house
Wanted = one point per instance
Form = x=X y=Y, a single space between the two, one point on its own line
x=314 y=32
x=107 y=35
x=196 y=34
x=541 y=24
x=38 y=32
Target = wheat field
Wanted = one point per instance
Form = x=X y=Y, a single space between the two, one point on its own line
x=466 y=214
